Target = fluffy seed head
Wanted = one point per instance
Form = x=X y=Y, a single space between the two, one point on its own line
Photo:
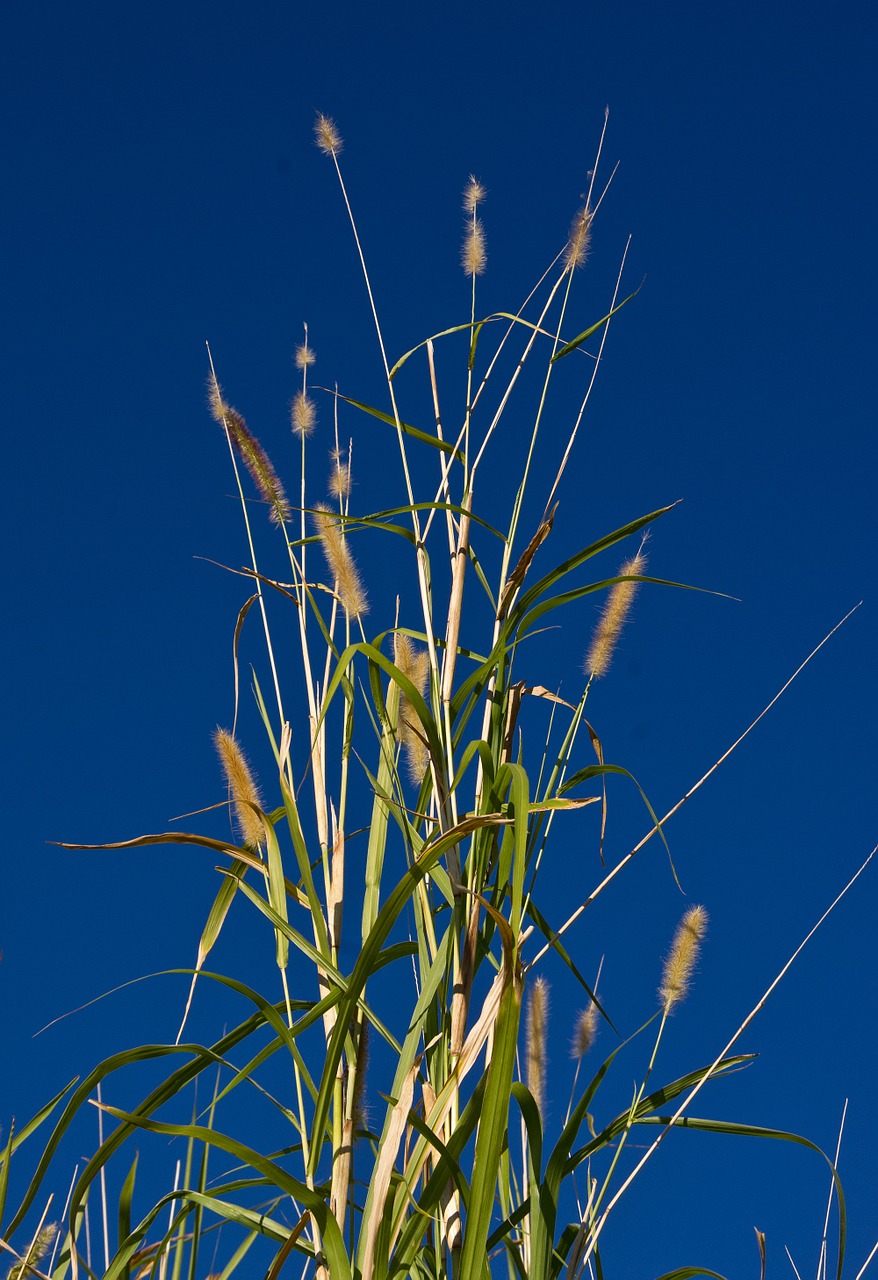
x=585 y=1031
x=613 y=617
x=251 y=453
x=340 y=562
x=579 y=239
x=474 y=255
x=303 y=414
x=327 y=136
x=305 y=356
x=340 y=480
x=36 y=1251
x=242 y=787
x=682 y=957
x=537 y=1027
x=359 y=1109
x=415 y=664
x=473 y=194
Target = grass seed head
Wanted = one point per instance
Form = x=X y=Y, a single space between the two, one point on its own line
x=474 y=255
x=414 y=663
x=579 y=239
x=35 y=1253
x=473 y=195
x=242 y=786
x=340 y=480
x=251 y=453
x=327 y=136
x=305 y=356
x=537 y=1029
x=303 y=414
x=682 y=957
x=613 y=617
x=585 y=1031
x=341 y=565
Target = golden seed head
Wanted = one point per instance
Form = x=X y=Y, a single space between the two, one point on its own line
x=244 y=791
x=585 y=1031
x=579 y=239
x=414 y=663
x=340 y=480
x=36 y=1251
x=537 y=1028
x=682 y=957
x=327 y=135
x=341 y=565
x=303 y=414
x=474 y=255
x=305 y=356
x=473 y=194
x=251 y=453
x=613 y=616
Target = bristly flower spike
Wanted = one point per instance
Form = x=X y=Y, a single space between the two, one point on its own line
x=579 y=239
x=340 y=562
x=243 y=788
x=682 y=957
x=537 y=1028
x=585 y=1031
x=303 y=414
x=613 y=617
x=414 y=663
x=305 y=356
x=473 y=255
x=327 y=136
x=251 y=453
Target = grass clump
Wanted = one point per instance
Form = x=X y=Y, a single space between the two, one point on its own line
x=394 y=853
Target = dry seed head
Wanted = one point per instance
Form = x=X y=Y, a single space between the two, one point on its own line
x=327 y=136
x=341 y=565
x=474 y=255
x=245 y=792
x=251 y=453
x=340 y=480
x=537 y=1027
x=415 y=664
x=36 y=1251
x=585 y=1031
x=682 y=957
x=473 y=195
x=303 y=414
x=579 y=239
x=305 y=356
x=613 y=617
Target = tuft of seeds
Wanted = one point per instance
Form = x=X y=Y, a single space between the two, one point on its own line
x=251 y=453
x=474 y=255
x=578 y=239
x=585 y=1031
x=37 y=1250
x=414 y=663
x=341 y=565
x=243 y=788
x=327 y=136
x=340 y=480
x=303 y=414
x=473 y=195
x=613 y=617
x=537 y=1028
x=682 y=957
x=305 y=356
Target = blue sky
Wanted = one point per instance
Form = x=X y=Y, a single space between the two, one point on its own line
x=162 y=189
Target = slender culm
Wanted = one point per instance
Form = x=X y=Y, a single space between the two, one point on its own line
x=537 y=1029
x=585 y=1031
x=243 y=788
x=252 y=454
x=613 y=617
x=350 y=588
x=414 y=663
x=682 y=957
